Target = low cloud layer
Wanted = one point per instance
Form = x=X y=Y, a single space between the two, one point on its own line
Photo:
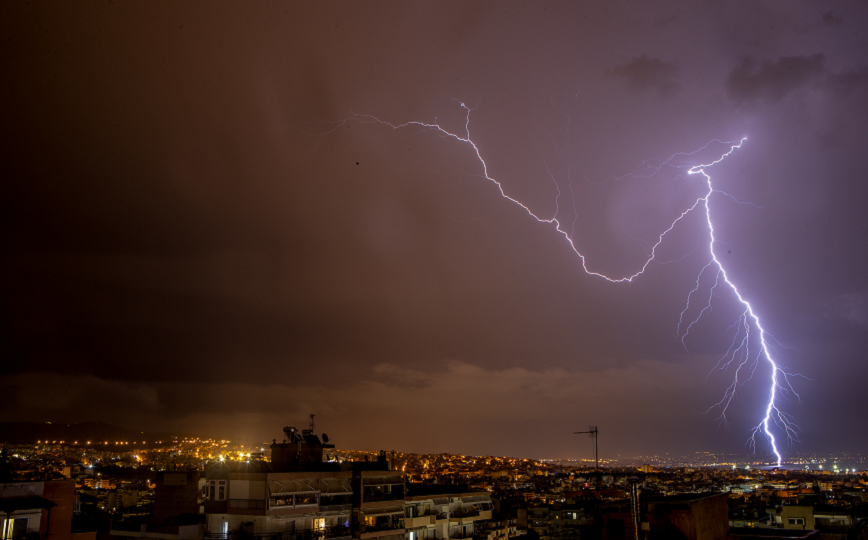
x=408 y=409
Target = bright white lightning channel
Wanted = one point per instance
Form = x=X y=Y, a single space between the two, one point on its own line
x=739 y=352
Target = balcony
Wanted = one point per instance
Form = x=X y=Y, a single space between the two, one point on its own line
x=379 y=497
x=246 y=504
x=216 y=507
x=382 y=529
x=150 y=530
x=465 y=514
x=330 y=533
x=253 y=507
x=470 y=516
x=335 y=507
x=338 y=531
x=419 y=521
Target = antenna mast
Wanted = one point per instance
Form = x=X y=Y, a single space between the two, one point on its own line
x=592 y=433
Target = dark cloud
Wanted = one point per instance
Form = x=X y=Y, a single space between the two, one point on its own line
x=844 y=83
x=643 y=73
x=770 y=81
x=830 y=19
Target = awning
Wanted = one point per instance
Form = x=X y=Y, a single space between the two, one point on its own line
x=13 y=504
x=336 y=486
x=383 y=511
x=288 y=486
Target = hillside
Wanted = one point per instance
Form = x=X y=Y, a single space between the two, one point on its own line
x=31 y=432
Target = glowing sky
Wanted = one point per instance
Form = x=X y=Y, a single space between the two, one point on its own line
x=186 y=251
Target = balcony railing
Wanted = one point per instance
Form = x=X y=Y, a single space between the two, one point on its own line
x=377 y=497
x=152 y=528
x=324 y=533
x=335 y=507
x=387 y=526
x=246 y=504
x=126 y=526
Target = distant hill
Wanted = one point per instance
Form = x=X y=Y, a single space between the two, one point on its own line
x=30 y=432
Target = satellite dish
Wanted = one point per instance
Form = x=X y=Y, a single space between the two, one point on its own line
x=325 y=438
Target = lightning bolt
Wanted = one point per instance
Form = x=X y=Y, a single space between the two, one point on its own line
x=780 y=379
x=739 y=352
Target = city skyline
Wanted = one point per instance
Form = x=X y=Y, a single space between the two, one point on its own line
x=114 y=441
x=204 y=237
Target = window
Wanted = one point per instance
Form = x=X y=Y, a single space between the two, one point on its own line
x=796 y=521
x=306 y=499
x=217 y=490
x=15 y=528
x=224 y=527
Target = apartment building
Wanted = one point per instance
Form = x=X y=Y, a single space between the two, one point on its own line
x=41 y=509
x=300 y=496
x=442 y=512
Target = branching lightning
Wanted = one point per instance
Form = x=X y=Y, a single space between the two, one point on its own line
x=739 y=353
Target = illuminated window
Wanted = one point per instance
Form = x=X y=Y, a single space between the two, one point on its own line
x=306 y=499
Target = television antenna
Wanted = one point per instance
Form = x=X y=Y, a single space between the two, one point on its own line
x=592 y=433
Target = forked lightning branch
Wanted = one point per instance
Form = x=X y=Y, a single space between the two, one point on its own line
x=739 y=356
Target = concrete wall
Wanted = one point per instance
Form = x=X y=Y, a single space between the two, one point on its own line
x=61 y=493
x=703 y=518
x=176 y=493
x=804 y=512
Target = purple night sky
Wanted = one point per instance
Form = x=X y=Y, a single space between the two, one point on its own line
x=191 y=245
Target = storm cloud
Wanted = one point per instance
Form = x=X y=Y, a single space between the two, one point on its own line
x=772 y=80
